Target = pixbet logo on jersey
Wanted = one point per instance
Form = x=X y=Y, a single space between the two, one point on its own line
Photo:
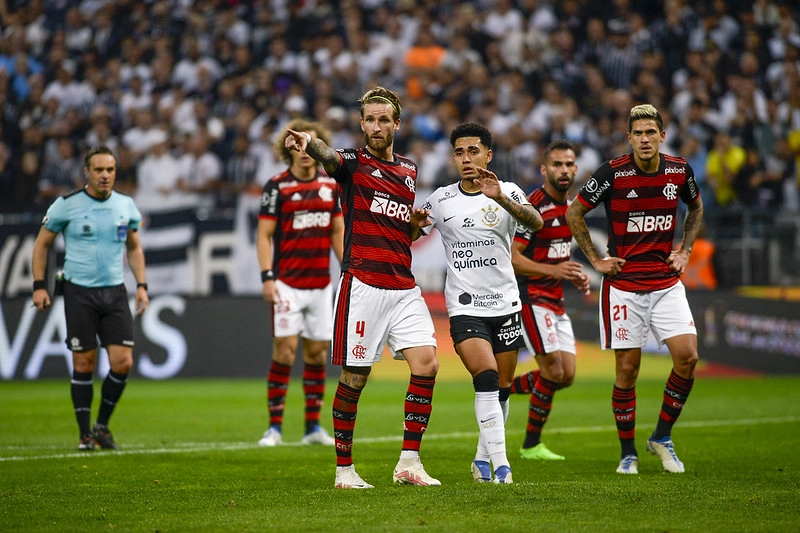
x=384 y=205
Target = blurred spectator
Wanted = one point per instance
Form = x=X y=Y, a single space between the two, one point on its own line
x=137 y=138
x=239 y=173
x=697 y=123
x=755 y=187
x=725 y=160
x=422 y=61
x=187 y=70
x=8 y=183
x=135 y=98
x=26 y=191
x=62 y=172
x=199 y=170
x=620 y=60
x=100 y=131
x=696 y=155
x=69 y=92
x=77 y=34
x=336 y=120
x=503 y=19
x=157 y=176
x=716 y=27
x=126 y=171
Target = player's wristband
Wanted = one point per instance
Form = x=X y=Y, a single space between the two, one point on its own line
x=142 y=285
x=39 y=284
x=267 y=275
x=308 y=137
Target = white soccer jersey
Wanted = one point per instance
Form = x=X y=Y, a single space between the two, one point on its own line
x=477 y=235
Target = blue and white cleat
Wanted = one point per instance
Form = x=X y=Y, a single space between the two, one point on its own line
x=665 y=450
x=628 y=465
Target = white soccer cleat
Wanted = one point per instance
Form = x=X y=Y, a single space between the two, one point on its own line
x=347 y=478
x=628 y=465
x=411 y=472
x=665 y=450
x=318 y=436
x=272 y=437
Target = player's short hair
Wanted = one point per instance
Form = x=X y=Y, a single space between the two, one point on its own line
x=298 y=124
x=382 y=95
x=557 y=145
x=645 y=111
x=95 y=150
x=472 y=129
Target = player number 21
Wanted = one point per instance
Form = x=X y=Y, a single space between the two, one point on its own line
x=620 y=312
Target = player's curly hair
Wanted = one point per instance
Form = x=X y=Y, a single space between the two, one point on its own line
x=645 y=111
x=382 y=95
x=299 y=124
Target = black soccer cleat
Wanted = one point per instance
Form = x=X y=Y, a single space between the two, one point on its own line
x=104 y=439
x=87 y=443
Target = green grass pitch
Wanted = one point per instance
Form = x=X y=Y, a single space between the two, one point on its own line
x=189 y=461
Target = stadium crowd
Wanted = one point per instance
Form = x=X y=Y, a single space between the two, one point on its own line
x=190 y=93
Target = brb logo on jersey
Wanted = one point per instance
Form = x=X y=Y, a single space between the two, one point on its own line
x=559 y=250
x=311 y=219
x=641 y=223
x=384 y=205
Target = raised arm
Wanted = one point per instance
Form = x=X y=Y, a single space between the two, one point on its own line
x=525 y=214
x=316 y=148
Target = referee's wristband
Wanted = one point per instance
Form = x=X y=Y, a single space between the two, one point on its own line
x=39 y=284
x=267 y=275
x=142 y=285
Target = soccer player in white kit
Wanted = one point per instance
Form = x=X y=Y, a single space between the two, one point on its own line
x=477 y=218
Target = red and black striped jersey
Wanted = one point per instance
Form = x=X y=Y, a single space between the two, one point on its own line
x=304 y=213
x=377 y=197
x=641 y=210
x=551 y=245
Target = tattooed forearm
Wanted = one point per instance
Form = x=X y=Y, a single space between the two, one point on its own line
x=580 y=232
x=527 y=215
x=323 y=153
x=691 y=226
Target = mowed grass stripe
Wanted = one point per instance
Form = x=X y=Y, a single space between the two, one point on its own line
x=193 y=447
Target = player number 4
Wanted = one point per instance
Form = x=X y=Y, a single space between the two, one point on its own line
x=360 y=328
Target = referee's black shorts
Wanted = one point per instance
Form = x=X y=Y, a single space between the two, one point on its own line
x=94 y=312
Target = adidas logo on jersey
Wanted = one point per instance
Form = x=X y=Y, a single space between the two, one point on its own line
x=296 y=197
x=377 y=173
x=632 y=194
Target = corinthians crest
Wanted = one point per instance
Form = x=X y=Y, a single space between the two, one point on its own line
x=490 y=216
